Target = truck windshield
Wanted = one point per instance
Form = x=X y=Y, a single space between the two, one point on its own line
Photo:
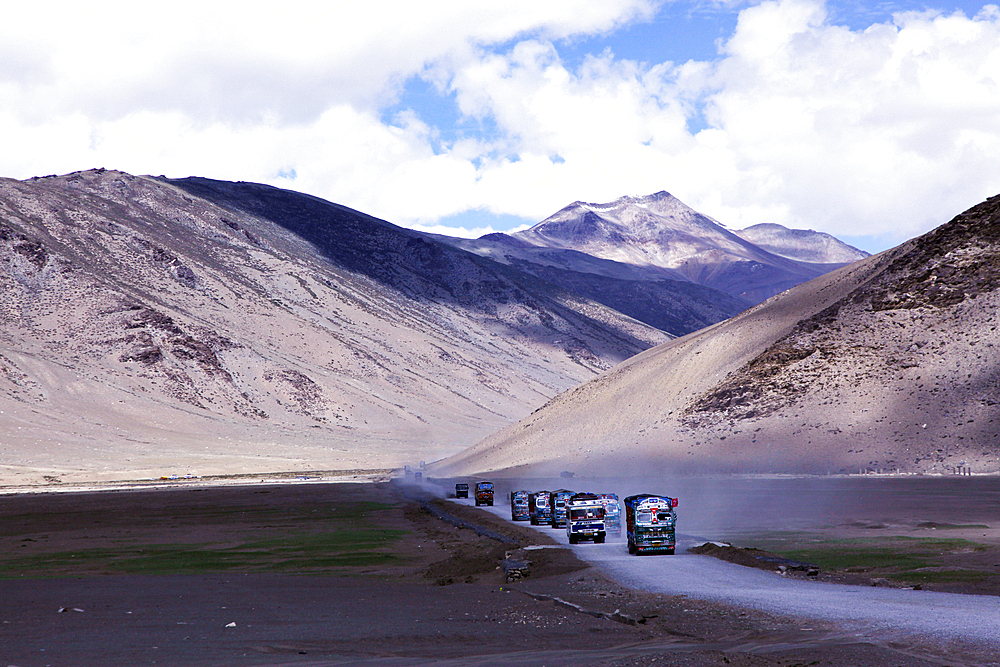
x=587 y=513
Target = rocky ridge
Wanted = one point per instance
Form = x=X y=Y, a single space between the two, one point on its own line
x=891 y=364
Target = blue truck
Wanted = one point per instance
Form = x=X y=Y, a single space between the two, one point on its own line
x=557 y=501
x=539 y=510
x=519 y=506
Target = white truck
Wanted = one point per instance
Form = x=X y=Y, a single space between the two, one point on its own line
x=585 y=518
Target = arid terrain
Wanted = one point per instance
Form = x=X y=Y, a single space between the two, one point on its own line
x=890 y=364
x=146 y=330
x=306 y=573
x=153 y=326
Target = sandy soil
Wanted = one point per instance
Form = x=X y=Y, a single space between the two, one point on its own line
x=344 y=574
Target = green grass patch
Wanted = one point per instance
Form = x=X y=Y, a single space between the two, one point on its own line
x=897 y=554
x=305 y=538
x=306 y=552
x=941 y=577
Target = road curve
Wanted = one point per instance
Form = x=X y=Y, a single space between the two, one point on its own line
x=880 y=615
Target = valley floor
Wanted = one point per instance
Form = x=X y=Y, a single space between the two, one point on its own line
x=350 y=574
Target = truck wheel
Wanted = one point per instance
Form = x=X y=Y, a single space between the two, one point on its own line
x=631 y=547
x=599 y=539
x=572 y=539
x=670 y=551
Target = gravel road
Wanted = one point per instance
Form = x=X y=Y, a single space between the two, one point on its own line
x=883 y=615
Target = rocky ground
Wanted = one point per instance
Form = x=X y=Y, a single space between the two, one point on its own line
x=337 y=574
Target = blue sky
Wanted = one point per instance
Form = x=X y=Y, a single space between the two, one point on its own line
x=874 y=122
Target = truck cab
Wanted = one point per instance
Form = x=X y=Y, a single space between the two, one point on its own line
x=557 y=501
x=461 y=490
x=585 y=518
x=612 y=514
x=484 y=493
x=539 y=510
x=650 y=524
x=519 y=506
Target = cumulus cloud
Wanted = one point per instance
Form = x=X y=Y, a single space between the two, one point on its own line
x=886 y=130
x=893 y=128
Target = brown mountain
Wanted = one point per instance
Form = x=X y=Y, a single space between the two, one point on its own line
x=155 y=327
x=891 y=363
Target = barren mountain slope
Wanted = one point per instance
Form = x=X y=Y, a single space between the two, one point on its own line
x=891 y=363
x=801 y=244
x=148 y=330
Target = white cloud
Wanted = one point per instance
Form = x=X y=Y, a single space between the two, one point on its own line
x=894 y=128
x=883 y=131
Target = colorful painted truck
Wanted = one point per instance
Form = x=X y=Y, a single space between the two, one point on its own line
x=557 y=501
x=650 y=524
x=539 y=510
x=484 y=493
x=519 y=506
x=612 y=514
x=461 y=490
x=585 y=518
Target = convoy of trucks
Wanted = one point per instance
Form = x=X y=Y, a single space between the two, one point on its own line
x=650 y=520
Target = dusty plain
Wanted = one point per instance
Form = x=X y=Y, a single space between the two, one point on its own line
x=294 y=572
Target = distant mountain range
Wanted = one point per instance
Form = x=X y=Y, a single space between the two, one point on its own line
x=658 y=260
x=890 y=364
x=154 y=326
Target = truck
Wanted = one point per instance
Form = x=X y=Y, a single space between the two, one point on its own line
x=557 y=501
x=484 y=493
x=650 y=524
x=585 y=518
x=539 y=510
x=461 y=490
x=519 y=506
x=612 y=514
